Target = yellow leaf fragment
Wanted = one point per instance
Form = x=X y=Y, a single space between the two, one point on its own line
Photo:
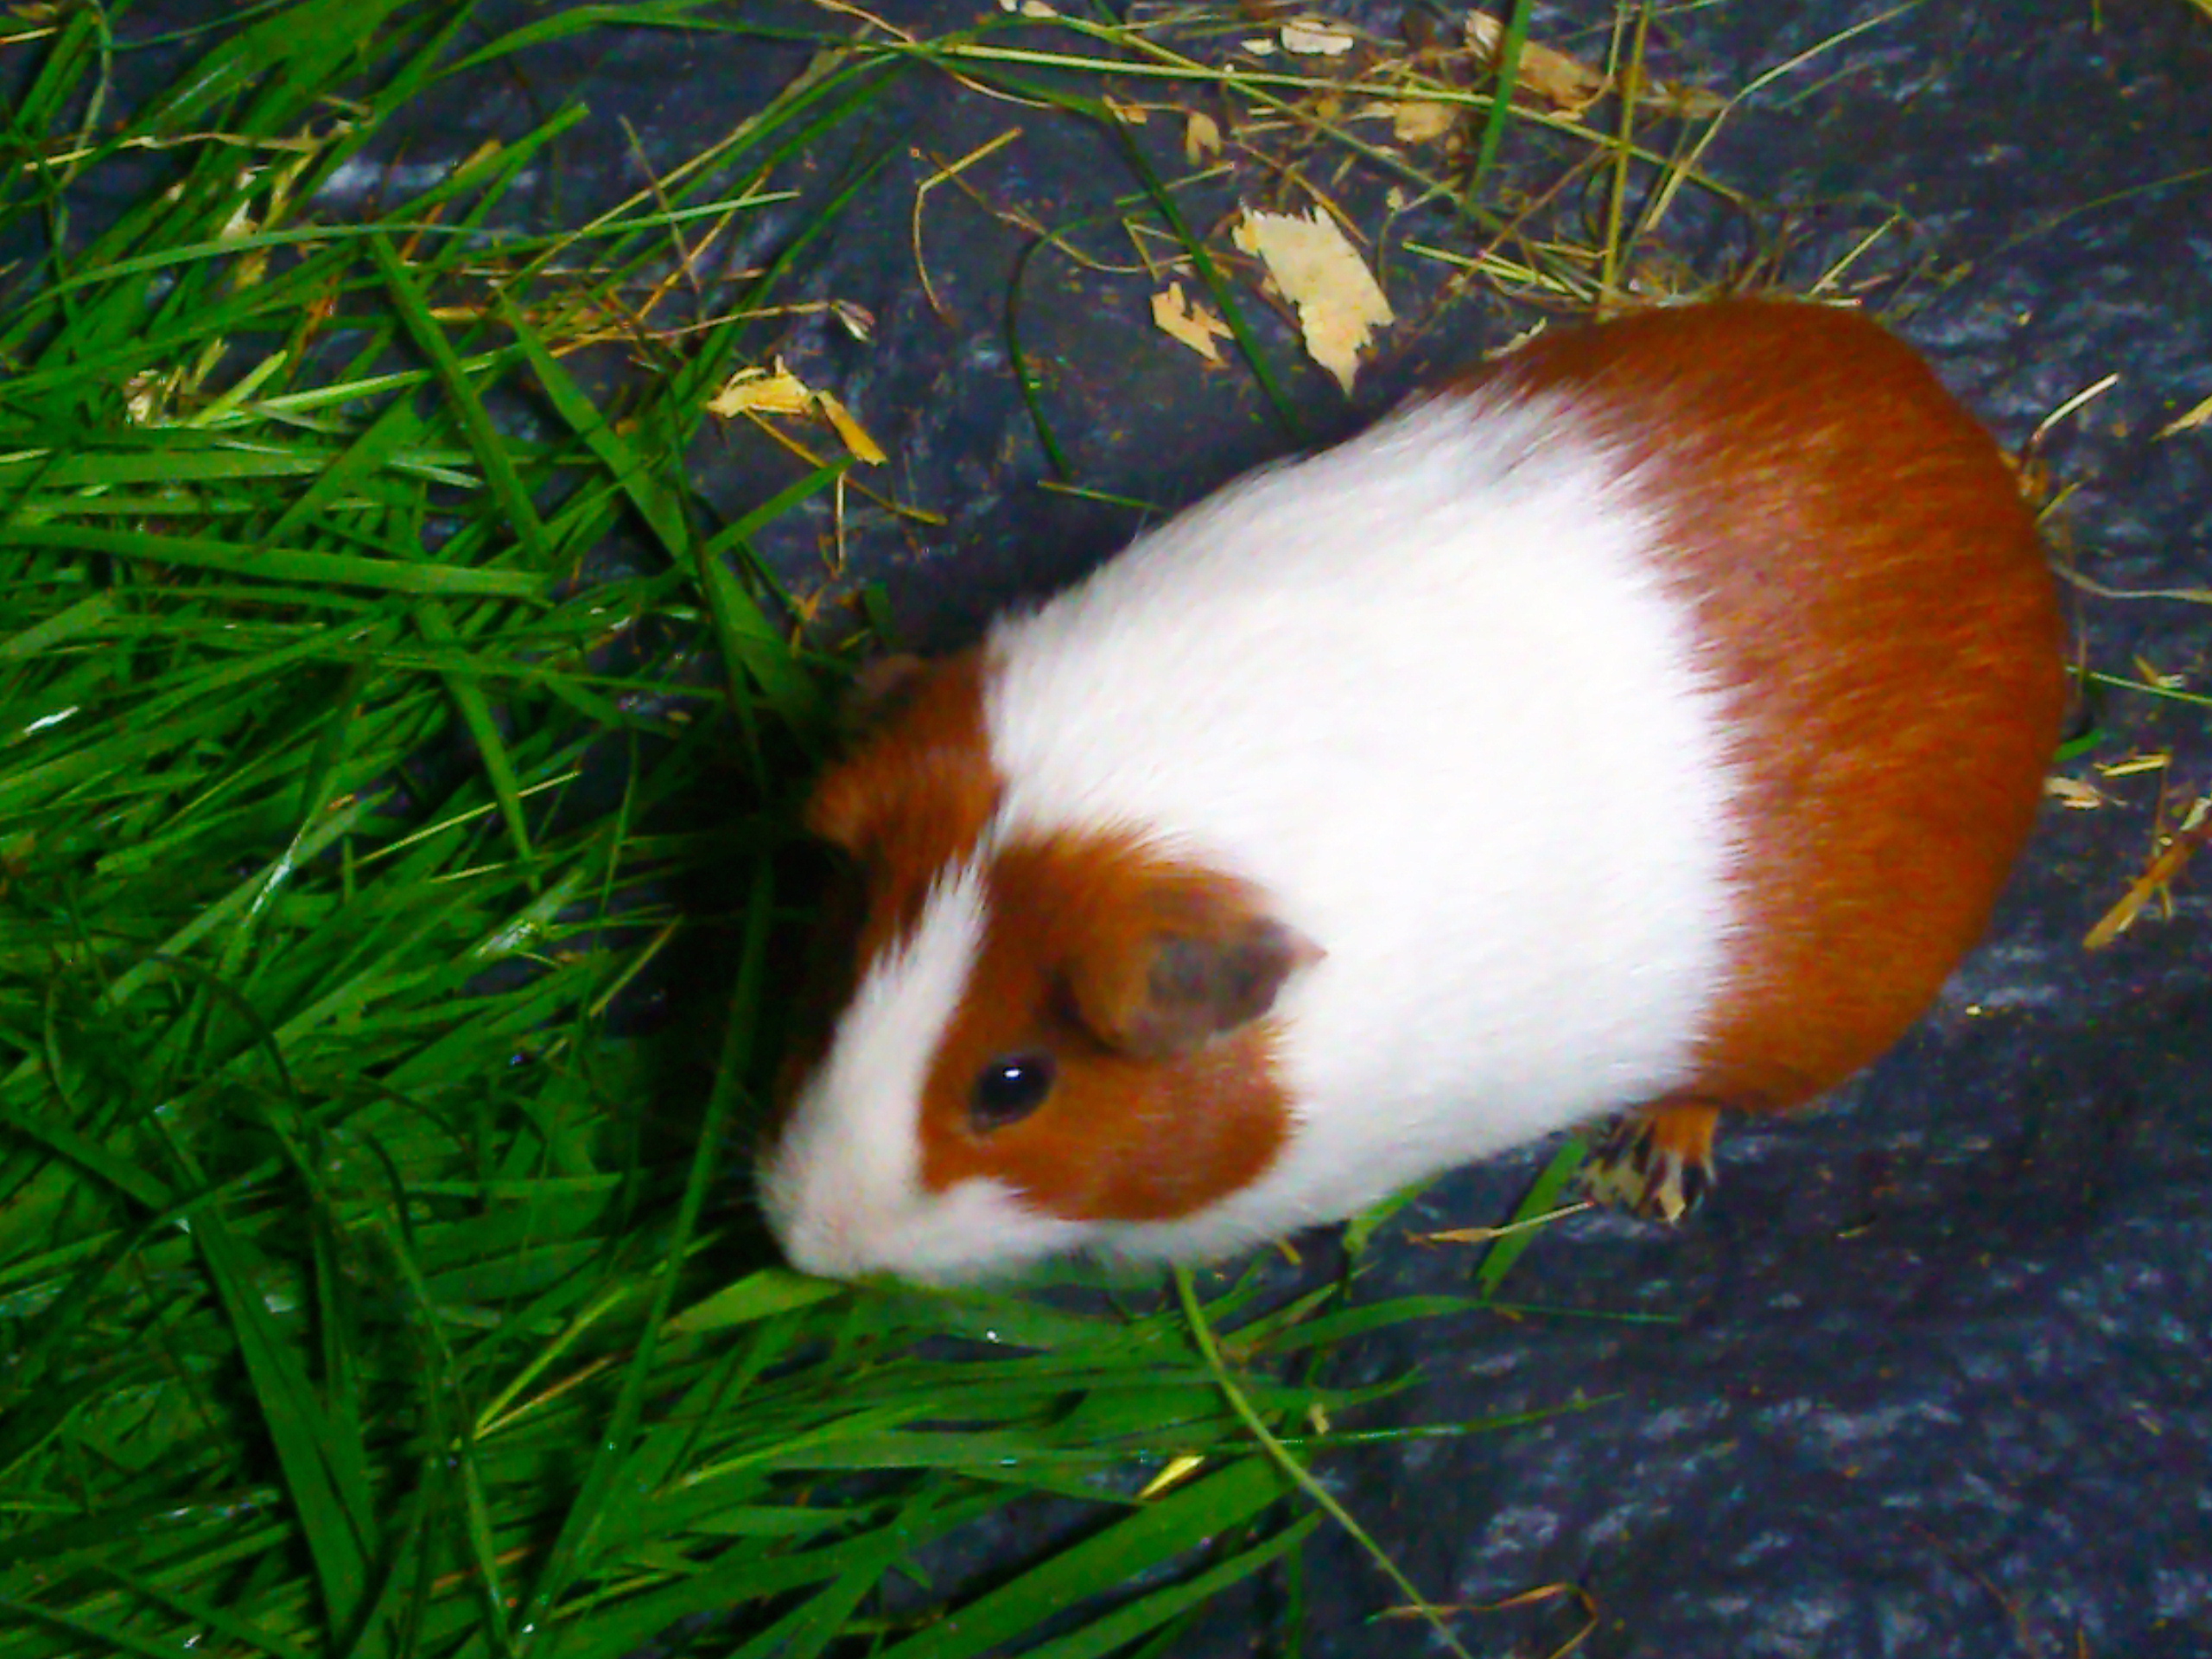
x=758 y=392
x=778 y=391
x=1201 y=137
x=1179 y=1469
x=1565 y=83
x=1193 y=325
x=1311 y=265
x=850 y=432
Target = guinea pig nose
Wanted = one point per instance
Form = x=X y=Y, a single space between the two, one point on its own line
x=1009 y=1088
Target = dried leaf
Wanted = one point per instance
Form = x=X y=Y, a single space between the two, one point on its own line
x=2157 y=679
x=1201 y=137
x=1339 y=302
x=2077 y=794
x=1195 y=325
x=1690 y=103
x=758 y=391
x=1421 y=121
x=1317 y=37
x=2135 y=764
x=1565 y=83
x=850 y=432
x=762 y=391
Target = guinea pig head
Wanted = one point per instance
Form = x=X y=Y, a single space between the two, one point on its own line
x=1043 y=1032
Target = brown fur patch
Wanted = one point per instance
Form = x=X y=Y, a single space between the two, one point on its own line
x=1878 y=606
x=1073 y=922
x=913 y=795
x=911 y=798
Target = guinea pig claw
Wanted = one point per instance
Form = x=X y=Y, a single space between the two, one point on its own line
x=1657 y=1163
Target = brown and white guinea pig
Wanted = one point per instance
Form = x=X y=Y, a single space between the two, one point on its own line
x=1645 y=723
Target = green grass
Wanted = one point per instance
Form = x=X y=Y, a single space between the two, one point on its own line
x=383 y=717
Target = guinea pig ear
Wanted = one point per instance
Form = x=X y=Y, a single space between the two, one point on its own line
x=1186 y=978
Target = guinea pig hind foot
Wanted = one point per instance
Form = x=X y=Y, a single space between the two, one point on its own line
x=1656 y=1162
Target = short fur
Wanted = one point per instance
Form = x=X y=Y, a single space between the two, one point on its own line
x=1649 y=719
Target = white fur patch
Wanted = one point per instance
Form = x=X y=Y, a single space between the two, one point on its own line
x=1429 y=690
x=842 y=1188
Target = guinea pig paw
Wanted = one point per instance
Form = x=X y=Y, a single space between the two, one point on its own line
x=1655 y=1163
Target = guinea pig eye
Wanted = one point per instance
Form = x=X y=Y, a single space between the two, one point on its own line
x=1009 y=1088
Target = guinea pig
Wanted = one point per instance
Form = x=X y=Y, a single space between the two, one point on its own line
x=1645 y=723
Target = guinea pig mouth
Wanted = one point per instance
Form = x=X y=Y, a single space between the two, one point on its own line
x=978 y=1229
